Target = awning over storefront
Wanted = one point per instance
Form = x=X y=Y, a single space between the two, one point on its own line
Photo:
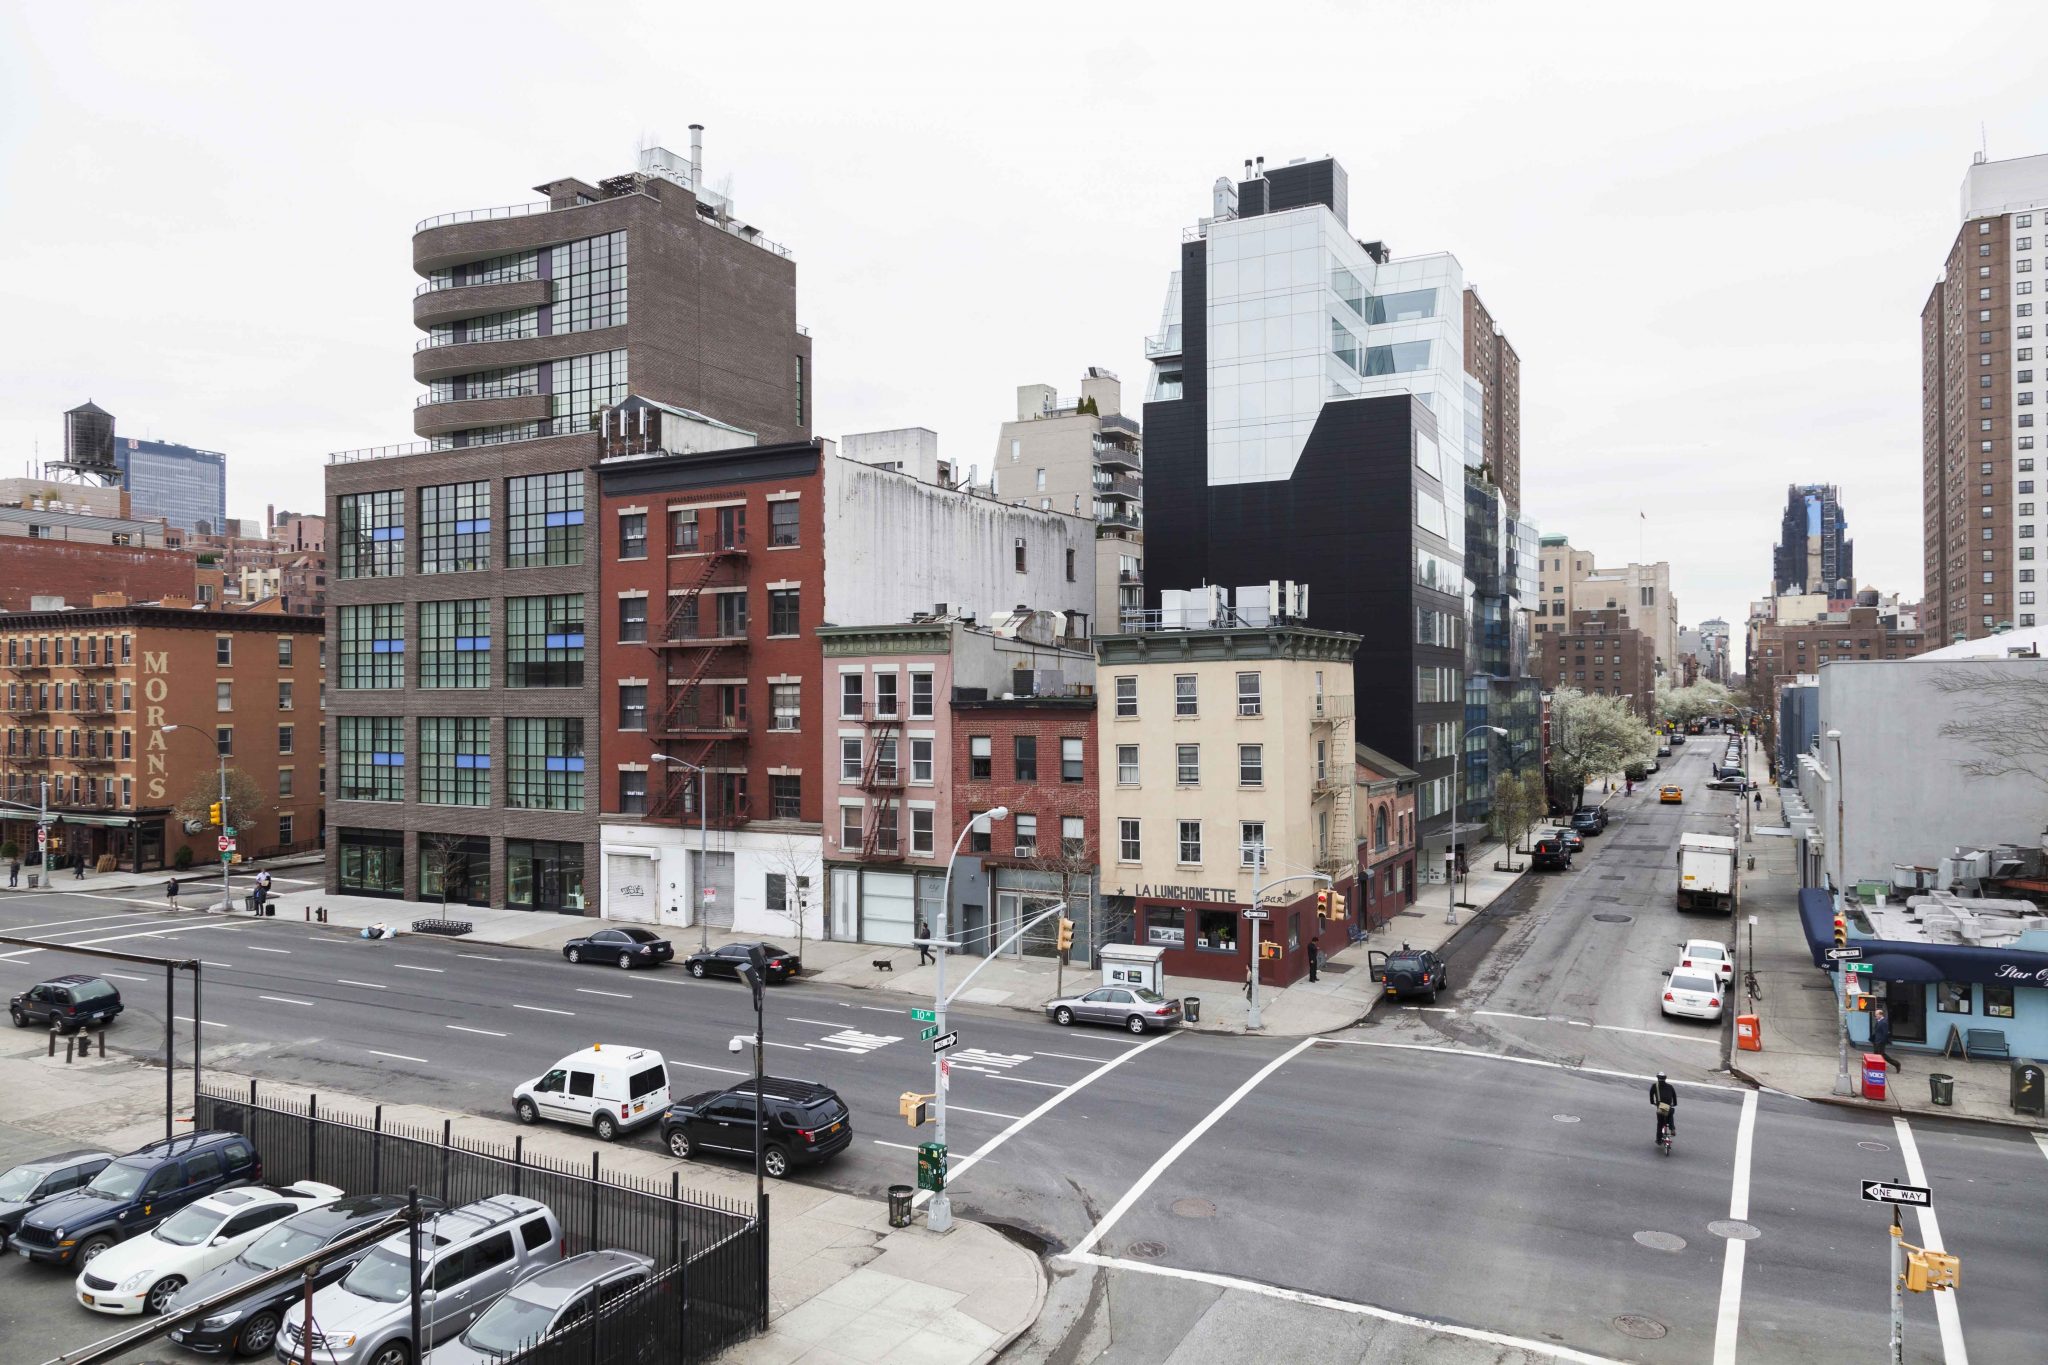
x=1901 y=960
x=1817 y=918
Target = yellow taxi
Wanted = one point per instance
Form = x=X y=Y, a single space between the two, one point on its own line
x=1671 y=796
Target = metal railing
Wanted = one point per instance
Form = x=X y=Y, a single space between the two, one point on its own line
x=546 y=429
x=484 y=215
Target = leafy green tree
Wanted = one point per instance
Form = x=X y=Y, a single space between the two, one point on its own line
x=1591 y=736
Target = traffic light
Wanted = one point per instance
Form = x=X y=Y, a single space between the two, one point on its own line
x=1322 y=905
x=1269 y=949
x=1841 y=932
x=1065 y=941
x=1927 y=1270
x=213 y=814
x=1338 y=904
x=914 y=1108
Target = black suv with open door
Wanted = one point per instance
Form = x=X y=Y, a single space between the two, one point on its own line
x=804 y=1122
x=1412 y=971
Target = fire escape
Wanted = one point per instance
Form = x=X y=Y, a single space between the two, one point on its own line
x=704 y=723
x=881 y=784
x=1330 y=722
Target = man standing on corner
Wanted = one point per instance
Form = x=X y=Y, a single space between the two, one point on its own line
x=1315 y=957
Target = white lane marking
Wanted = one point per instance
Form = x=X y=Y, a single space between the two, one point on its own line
x=543 y=1009
x=616 y=995
x=1503 y=1014
x=823 y=1023
x=488 y=1033
x=1052 y=1102
x=408 y=967
x=369 y=985
x=1726 y=1325
x=721 y=1070
x=953 y=1108
x=1071 y=1057
x=1186 y=1140
x=1430 y=1009
x=1542 y=1349
x=1533 y=1061
x=64 y=925
x=1659 y=1033
x=286 y=1000
x=123 y=976
x=186 y=1019
x=881 y=1009
x=144 y=933
x=254 y=949
x=479 y=957
x=2041 y=1141
x=157 y=904
x=1021 y=1080
x=204 y=963
x=398 y=1056
x=1946 y=1310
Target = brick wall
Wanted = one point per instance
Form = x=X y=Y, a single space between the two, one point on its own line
x=75 y=571
x=1049 y=798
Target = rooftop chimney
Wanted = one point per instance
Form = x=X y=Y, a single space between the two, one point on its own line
x=696 y=154
x=1262 y=166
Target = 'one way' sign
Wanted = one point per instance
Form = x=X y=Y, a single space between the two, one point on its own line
x=1884 y=1192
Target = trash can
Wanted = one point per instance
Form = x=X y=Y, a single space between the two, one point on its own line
x=1941 y=1088
x=1748 y=1033
x=899 y=1205
x=1191 y=1008
x=33 y=880
x=1873 y=1076
x=2027 y=1095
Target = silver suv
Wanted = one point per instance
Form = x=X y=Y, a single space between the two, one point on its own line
x=467 y=1258
x=549 y=1300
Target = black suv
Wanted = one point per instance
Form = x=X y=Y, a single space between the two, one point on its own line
x=1412 y=971
x=134 y=1193
x=69 y=1002
x=804 y=1122
x=32 y=1182
x=1590 y=819
x=1551 y=852
x=249 y=1326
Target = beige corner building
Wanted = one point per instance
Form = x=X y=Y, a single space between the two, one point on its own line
x=1084 y=458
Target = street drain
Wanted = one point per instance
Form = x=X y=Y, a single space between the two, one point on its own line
x=1642 y=1328
x=1146 y=1251
x=1661 y=1241
x=1874 y=1146
x=1565 y=1118
x=1194 y=1208
x=1734 y=1230
x=1614 y=919
x=1324 y=1045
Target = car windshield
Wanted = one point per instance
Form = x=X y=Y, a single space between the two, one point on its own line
x=1691 y=983
x=1149 y=997
x=19 y=1183
x=283 y=1243
x=1712 y=950
x=85 y=992
x=641 y=935
x=774 y=951
x=189 y=1227
x=507 y=1325
x=384 y=1275
x=121 y=1180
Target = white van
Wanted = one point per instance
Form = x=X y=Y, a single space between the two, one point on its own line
x=607 y=1088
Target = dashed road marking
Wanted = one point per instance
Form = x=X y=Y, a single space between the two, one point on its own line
x=488 y=1033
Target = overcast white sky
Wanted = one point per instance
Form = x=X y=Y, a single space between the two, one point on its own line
x=1710 y=244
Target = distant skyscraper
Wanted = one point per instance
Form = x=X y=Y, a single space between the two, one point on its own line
x=187 y=488
x=1814 y=552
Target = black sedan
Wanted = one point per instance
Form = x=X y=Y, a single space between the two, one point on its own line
x=782 y=964
x=626 y=948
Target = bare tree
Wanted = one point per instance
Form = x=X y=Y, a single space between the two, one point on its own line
x=794 y=858
x=452 y=852
x=247 y=804
x=1069 y=860
x=2001 y=715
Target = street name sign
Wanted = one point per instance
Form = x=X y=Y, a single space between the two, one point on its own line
x=1884 y=1192
x=929 y=1032
x=1867 y=968
x=1257 y=914
x=1844 y=954
x=924 y=1016
x=940 y=1044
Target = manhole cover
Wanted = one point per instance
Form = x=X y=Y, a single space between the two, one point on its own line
x=1873 y=1146
x=1324 y=1045
x=1614 y=876
x=1146 y=1251
x=1736 y=1231
x=1614 y=919
x=1660 y=1241
x=1194 y=1208
x=1637 y=1326
x=1565 y=1118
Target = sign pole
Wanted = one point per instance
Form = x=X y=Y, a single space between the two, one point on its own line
x=1251 y=1021
x=1898 y=1356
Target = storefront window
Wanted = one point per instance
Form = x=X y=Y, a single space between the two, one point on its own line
x=1952 y=997
x=372 y=862
x=1998 y=1001
x=541 y=875
x=1166 y=928
x=1216 y=930
x=456 y=868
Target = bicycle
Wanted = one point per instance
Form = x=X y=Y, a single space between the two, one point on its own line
x=1665 y=1131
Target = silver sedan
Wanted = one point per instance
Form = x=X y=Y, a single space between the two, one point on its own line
x=1126 y=1007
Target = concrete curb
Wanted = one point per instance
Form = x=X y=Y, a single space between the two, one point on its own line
x=1891 y=1107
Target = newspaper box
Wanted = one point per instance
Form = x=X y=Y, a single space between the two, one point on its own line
x=1133 y=964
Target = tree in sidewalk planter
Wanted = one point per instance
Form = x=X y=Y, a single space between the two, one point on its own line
x=447 y=859
x=248 y=806
x=1592 y=735
x=1637 y=771
x=1519 y=801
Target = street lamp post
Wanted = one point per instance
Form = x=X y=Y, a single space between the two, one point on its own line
x=703 y=849
x=1842 y=1085
x=939 y=1214
x=221 y=755
x=1457 y=793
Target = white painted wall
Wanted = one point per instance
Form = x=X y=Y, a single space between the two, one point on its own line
x=647 y=878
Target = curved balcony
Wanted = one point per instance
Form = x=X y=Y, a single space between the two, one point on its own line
x=475 y=300
x=438 y=419
x=439 y=362
x=453 y=239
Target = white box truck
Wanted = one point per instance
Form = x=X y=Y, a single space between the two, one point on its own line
x=1706 y=873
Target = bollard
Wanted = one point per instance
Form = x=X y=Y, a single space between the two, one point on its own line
x=309 y=914
x=70 y=1047
x=53 y=1042
x=103 y=1043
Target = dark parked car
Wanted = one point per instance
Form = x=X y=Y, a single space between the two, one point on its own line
x=782 y=964
x=1409 y=972
x=249 y=1326
x=32 y=1182
x=805 y=1123
x=132 y=1194
x=69 y=1002
x=1678 y=737
x=1589 y=820
x=622 y=947
x=1573 y=840
x=1549 y=853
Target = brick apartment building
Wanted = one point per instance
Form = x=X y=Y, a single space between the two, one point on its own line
x=711 y=573
x=93 y=693
x=1386 y=837
x=1862 y=632
x=1600 y=652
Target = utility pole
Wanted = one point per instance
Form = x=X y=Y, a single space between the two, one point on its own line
x=1843 y=1085
x=939 y=1214
x=1251 y=1019
x=1898 y=1355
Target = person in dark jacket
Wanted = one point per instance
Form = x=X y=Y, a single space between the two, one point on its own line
x=1881 y=1037
x=171 y=892
x=14 y=872
x=1315 y=957
x=924 y=949
x=1662 y=1094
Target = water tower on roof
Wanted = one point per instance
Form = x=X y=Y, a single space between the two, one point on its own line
x=88 y=448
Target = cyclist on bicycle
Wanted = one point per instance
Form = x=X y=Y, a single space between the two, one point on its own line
x=1664 y=1099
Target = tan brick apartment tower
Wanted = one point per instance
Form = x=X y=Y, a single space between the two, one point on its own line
x=1979 y=392
x=464 y=579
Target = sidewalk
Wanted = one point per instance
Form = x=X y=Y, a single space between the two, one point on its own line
x=844 y=1287
x=198 y=880
x=1797 y=1016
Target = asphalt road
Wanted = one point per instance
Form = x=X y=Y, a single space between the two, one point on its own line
x=1473 y=1182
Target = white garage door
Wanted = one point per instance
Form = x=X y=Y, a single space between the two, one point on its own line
x=630 y=892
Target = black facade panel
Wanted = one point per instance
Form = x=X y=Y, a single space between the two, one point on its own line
x=1251 y=198
x=710 y=469
x=1312 y=182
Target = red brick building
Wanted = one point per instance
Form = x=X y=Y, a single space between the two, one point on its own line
x=710 y=593
x=1858 y=633
x=76 y=570
x=1386 y=838
x=1602 y=653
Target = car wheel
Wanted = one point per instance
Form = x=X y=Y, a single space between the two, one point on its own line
x=1063 y=1016
x=775 y=1161
x=1136 y=1023
x=20 y=1019
x=394 y=1354
x=679 y=1143
x=697 y=970
x=527 y=1110
x=1432 y=995
x=606 y=1127
x=162 y=1292
x=259 y=1334
x=625 y=962
x=573 y=954
x=90 y=1252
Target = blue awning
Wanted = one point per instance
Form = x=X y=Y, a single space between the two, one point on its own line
x=1817 y=918
x=1894 y=964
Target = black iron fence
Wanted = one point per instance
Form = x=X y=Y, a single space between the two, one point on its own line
x=711 y=1253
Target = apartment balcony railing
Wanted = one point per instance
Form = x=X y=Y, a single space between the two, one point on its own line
x=1119 y=486
x=1120 y=516
x=482 y=215
x=1110 y=454
x=1329 y=709
x=25 y=669
x=543 y=430
x=1165 y=344
x=29 y=708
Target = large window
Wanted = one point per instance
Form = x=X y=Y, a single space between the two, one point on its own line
x=546 y=520
x=1126 y=698
x=782 y=611
x=1187 y=764
x=544 y=763
x=372 y=751
x=633 y=535
x=632 y=620
x=371 y=540
x=544 y=641
x=455 y=527
x=588 y=285
x=1251 y=765
x=1128 y=846
x=1127 y=765
x=1184 y=695
x=1251 y=842
x=786 y=796
x=455 y=760
x=1024 y=752
x=783 y=521
x=455 y=643
x=632 y=706
x=633 y=791
x=786 y=704
x=1190 y=842
x=1072 y=760
x=372 y=646
x=1248 y=699
x=585 y=385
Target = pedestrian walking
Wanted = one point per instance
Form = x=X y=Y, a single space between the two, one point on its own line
x=1881 y=1037
x=171 y=892
x=14 y=872
x=78 y=867
x=1247 y=983
x=924 y=949
x=1759 y=799
x=1315 y=957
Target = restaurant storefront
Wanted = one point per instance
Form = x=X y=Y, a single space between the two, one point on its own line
x=1207 y=936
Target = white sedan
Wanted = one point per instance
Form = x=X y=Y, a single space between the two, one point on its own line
x=142 y=1274
x=1706 y=955
x=1687 y=994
